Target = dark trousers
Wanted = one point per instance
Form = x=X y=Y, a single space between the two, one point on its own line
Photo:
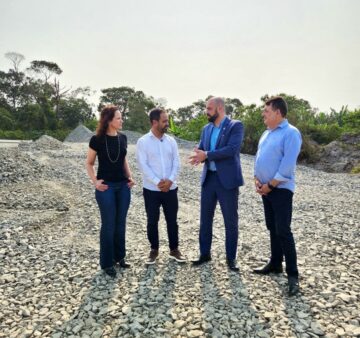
x=113 y=204
x=278 y=212
x=169 y=202
x=211 y=192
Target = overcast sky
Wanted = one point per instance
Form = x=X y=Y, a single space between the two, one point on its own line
x=186 y=50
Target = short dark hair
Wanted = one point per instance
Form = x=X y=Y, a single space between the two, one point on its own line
x=155 y=113
x=277 y=102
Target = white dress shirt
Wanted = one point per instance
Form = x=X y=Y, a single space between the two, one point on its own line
x=157 y=159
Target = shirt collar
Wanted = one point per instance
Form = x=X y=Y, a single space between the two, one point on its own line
x=281 y=125
x=156 y=138
x=221 y=123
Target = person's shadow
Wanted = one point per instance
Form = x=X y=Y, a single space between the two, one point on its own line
x=299 y=313
x=143 y=310
x=149 y=307
x=90 y=316
x=227 y=310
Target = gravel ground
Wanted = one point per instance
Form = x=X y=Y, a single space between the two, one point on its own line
x=51 y=285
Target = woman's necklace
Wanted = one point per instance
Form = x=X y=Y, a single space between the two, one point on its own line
x=107 y=149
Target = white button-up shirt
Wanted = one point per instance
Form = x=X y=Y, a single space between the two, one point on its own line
x=157 y=159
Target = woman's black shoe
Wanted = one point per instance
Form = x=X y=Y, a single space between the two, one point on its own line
x=110 y=272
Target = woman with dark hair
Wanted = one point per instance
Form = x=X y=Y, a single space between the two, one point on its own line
x=112 y=186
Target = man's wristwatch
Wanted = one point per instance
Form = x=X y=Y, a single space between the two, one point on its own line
x=271 y=187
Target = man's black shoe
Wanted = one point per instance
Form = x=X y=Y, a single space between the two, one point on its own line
x=123 y=264
x=202 y=259
x=293 y=286
x=269 y=268
x=110 y=272
x=232 y=265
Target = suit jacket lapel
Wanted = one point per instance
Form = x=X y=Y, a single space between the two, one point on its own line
x=208 y=136
x=222 y=131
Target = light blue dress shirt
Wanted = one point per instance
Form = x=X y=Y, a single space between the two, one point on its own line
x=213 y=139
x=277 y=154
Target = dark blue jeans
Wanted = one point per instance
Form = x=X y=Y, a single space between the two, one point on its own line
x=278 y=212
x=212 y=191
x=113 y=204
x=169 y=201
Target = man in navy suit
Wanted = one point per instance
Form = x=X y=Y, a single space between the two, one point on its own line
x=219 y=150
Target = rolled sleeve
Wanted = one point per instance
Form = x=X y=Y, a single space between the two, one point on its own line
x=292 y=146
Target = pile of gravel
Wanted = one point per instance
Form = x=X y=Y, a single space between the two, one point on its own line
x=48 y=142
x=45 y=142
x=80 y=134
x=132 y=136
x=16 y=166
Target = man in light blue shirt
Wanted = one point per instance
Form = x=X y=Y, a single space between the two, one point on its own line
x=275 y=163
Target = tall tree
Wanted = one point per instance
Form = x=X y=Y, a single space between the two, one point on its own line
x=134 y=105
x=15 y=59
x=119 y=96
x=45 y=68
x=50 y=91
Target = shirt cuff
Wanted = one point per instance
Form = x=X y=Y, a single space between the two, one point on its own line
x=156 y=180
x=280 y=178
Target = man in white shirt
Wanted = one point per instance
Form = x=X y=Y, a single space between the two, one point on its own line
x=158 y=160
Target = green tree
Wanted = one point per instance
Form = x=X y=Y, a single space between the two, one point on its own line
x=15 y=58
x=44 y=90
x=13 y=89
x=46 y=69
x=138 y=119
x=73 y=111
x=119 y=96
x=232 y=106
x=251 y=117
x=352 y=121
x=32 y=117
x=7 y=121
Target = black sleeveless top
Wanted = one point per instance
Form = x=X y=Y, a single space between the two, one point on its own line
x=110 y=161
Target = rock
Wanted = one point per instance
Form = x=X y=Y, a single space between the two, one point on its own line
x=25 y=312
x=345 y=297
x=179 y=324
x=317 y=329
x=194 y=333
x=126 y=310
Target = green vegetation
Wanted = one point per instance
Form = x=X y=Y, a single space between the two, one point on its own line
x=316 y=127
x=32 y=103
x=355 y=170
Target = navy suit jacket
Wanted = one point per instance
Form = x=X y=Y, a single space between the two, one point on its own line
x=226 y=154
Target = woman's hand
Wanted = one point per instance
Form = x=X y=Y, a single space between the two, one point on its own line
x=131 y=182
x=99 y=185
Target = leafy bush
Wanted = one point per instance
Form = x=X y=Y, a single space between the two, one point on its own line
x=323 y=133
x=254 y=126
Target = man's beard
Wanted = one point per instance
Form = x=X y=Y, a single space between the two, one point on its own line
x=213 y=117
